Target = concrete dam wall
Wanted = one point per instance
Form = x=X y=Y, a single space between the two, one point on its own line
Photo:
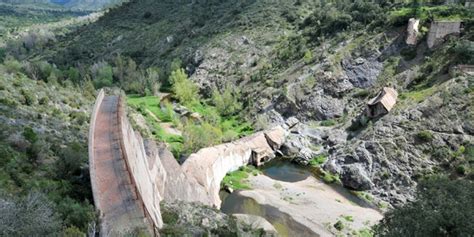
x=131 y=176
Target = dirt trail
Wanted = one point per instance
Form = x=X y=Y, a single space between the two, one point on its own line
x=117 y=202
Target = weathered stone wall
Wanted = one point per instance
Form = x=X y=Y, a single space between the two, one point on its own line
x=210 y=165
x=147 y=172
x=440 y=29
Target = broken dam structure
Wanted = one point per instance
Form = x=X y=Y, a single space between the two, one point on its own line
x=131 y=176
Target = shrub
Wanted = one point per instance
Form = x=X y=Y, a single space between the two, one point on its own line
x=461 y=170
x=308 y=57
x=147 y=15
x=102 y=75
x=327 y=123
x=30 y=134
x=29 y=98
x=442 y=207
x=469 y=153
x=465 y=51
x=184 y=89
x=408 y=53
x=318 y=160
x=425 y=136
x=12 y=65
x=32 y=215
x=227 y=103
x=339 y=225
x=199 y=136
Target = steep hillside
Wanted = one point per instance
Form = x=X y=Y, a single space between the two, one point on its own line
x=88 y=5
x=319 y=64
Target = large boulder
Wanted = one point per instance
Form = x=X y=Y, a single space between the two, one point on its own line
x=355 y=177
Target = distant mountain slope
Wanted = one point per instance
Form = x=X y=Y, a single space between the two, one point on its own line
x=70 y=4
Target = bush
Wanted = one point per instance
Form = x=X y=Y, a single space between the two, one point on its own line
x=227 y=103
x=30 y=134
x=102 y=75
x=408 y=53
x=184 y=89
x=12 y=65
x=465 y=51
x=327 y=123
x=318 y=160
x=442 y=207
x=339 y=225
x=199 y=136
x=29 y=98
x=308 y=57
x=425 y=136
x=461 y=170
x=32 y=215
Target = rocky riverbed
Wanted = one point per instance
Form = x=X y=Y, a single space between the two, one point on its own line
x=306 y=207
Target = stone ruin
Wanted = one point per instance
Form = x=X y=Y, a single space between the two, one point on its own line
x=412 y=31
x=383 y=103
x=440 y=29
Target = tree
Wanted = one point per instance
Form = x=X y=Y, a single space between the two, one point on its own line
x=184 y=89
x=102 y=74
x=227 y=102
x=442 y=207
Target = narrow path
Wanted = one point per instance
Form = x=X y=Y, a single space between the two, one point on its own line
x=117 y=202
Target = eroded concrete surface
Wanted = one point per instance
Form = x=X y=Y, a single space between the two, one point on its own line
x=120 y=212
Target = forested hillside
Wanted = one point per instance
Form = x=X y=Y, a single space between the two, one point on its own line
x=66 y=4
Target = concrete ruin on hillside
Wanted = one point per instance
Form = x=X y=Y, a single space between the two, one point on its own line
x=130 y=176
x=412 y=31
x=440 y=29
x=463 y=69
x=383 y=103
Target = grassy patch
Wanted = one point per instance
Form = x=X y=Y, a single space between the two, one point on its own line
x=348 y=218
x=327 y=123
x=419 y=95
x=237 y=179
x=364 y=196
x=330 y=178
x=318 y=160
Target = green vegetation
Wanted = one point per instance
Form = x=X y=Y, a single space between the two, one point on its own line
x=183 y=89
x=330 y=178
x=327 y=123
x=442 y=207
x=425 y=136
x=227 y=102
x=363 y=233
x=318 y=160
x=44 y=175
x=237 y=179
x=424 y=13
x=348 y=218
x=339 y=225
x=211 y=129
